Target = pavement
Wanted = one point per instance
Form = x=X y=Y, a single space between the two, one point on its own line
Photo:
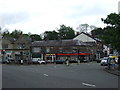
x=115 y=72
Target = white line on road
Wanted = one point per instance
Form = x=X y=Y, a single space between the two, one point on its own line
x=54 y=66
x=86 y=84
x=45 y=75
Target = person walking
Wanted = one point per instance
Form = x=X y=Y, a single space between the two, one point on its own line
x=67 y=62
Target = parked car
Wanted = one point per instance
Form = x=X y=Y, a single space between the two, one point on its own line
x=73 y=61
x=104 y=61
x=35 y=60
x=83 y=60
x=59 y=61
x=41 y=61
x=49 y=61
x=6 y=62
x=99 y=60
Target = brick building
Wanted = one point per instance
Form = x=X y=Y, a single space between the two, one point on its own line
x=60 y=50
x=16 y=49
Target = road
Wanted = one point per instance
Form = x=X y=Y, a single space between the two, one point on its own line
x=84 y=75
x=0 y=76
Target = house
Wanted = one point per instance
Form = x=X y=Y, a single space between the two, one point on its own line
x=7 y=48
x=16 y=49
x=60 y=50
x=21 y=48
x=97 y=45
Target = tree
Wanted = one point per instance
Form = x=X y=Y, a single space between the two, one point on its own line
x=112 y=30
x=16 y=33
x=66 y=32
x=50 y=35
x=35 y=37
x=83 y=28
x=97 y=32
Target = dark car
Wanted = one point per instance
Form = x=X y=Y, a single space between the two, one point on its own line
x=73 y=61
x=99 y=60
x=6 y=62
x=59 y=61
x=83 y=60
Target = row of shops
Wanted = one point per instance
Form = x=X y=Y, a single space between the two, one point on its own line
x=49 y=50
x=15 y=55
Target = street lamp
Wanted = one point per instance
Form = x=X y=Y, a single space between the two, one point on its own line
x=77 y=50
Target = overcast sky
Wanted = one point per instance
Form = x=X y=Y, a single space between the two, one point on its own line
x=37 y=16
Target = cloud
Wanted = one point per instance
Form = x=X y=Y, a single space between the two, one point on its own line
x=37 y=16
x=13 y=18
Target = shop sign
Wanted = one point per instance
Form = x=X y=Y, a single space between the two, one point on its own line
x=50 y=54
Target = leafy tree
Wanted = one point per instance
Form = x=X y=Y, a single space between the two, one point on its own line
x=112 y=30
x=50 y=35
x=66 y=32
x=97 y=32
x=35 y=37
x=6 y=33
x=16 y=33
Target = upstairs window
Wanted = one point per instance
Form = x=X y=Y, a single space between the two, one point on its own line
x=5 y=46
x=36 y=49
x=60 y=49
x=47 y=49
x=21 y=46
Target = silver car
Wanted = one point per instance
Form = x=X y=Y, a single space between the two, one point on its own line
x=104 y=61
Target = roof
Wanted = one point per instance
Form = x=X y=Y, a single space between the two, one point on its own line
x=58 y=43
x=86 y=38
x=9 y=38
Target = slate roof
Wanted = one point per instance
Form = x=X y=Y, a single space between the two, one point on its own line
x=12 y=40
x=58 y=43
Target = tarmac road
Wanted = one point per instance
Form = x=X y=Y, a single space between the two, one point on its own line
x=84 y=75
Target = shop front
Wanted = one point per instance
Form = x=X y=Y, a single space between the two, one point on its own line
x=73 y=56
x=50 y=57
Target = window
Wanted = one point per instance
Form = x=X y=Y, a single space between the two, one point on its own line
x=5 y=46
x=21 y=46
x=60 y=49
x=74 y=49
x=47 y=49
x=36 y=49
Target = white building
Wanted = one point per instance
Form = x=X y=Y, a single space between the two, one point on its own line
x=97 y=47
x=84 y=38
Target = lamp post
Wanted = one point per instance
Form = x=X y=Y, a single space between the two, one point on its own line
x=77 y=50
x=78 y=56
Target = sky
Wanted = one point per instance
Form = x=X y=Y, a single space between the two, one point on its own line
x=38 y=16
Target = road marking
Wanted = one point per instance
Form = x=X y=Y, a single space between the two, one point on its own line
x=45 y=75
x=86 y=84
x=54 y=66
